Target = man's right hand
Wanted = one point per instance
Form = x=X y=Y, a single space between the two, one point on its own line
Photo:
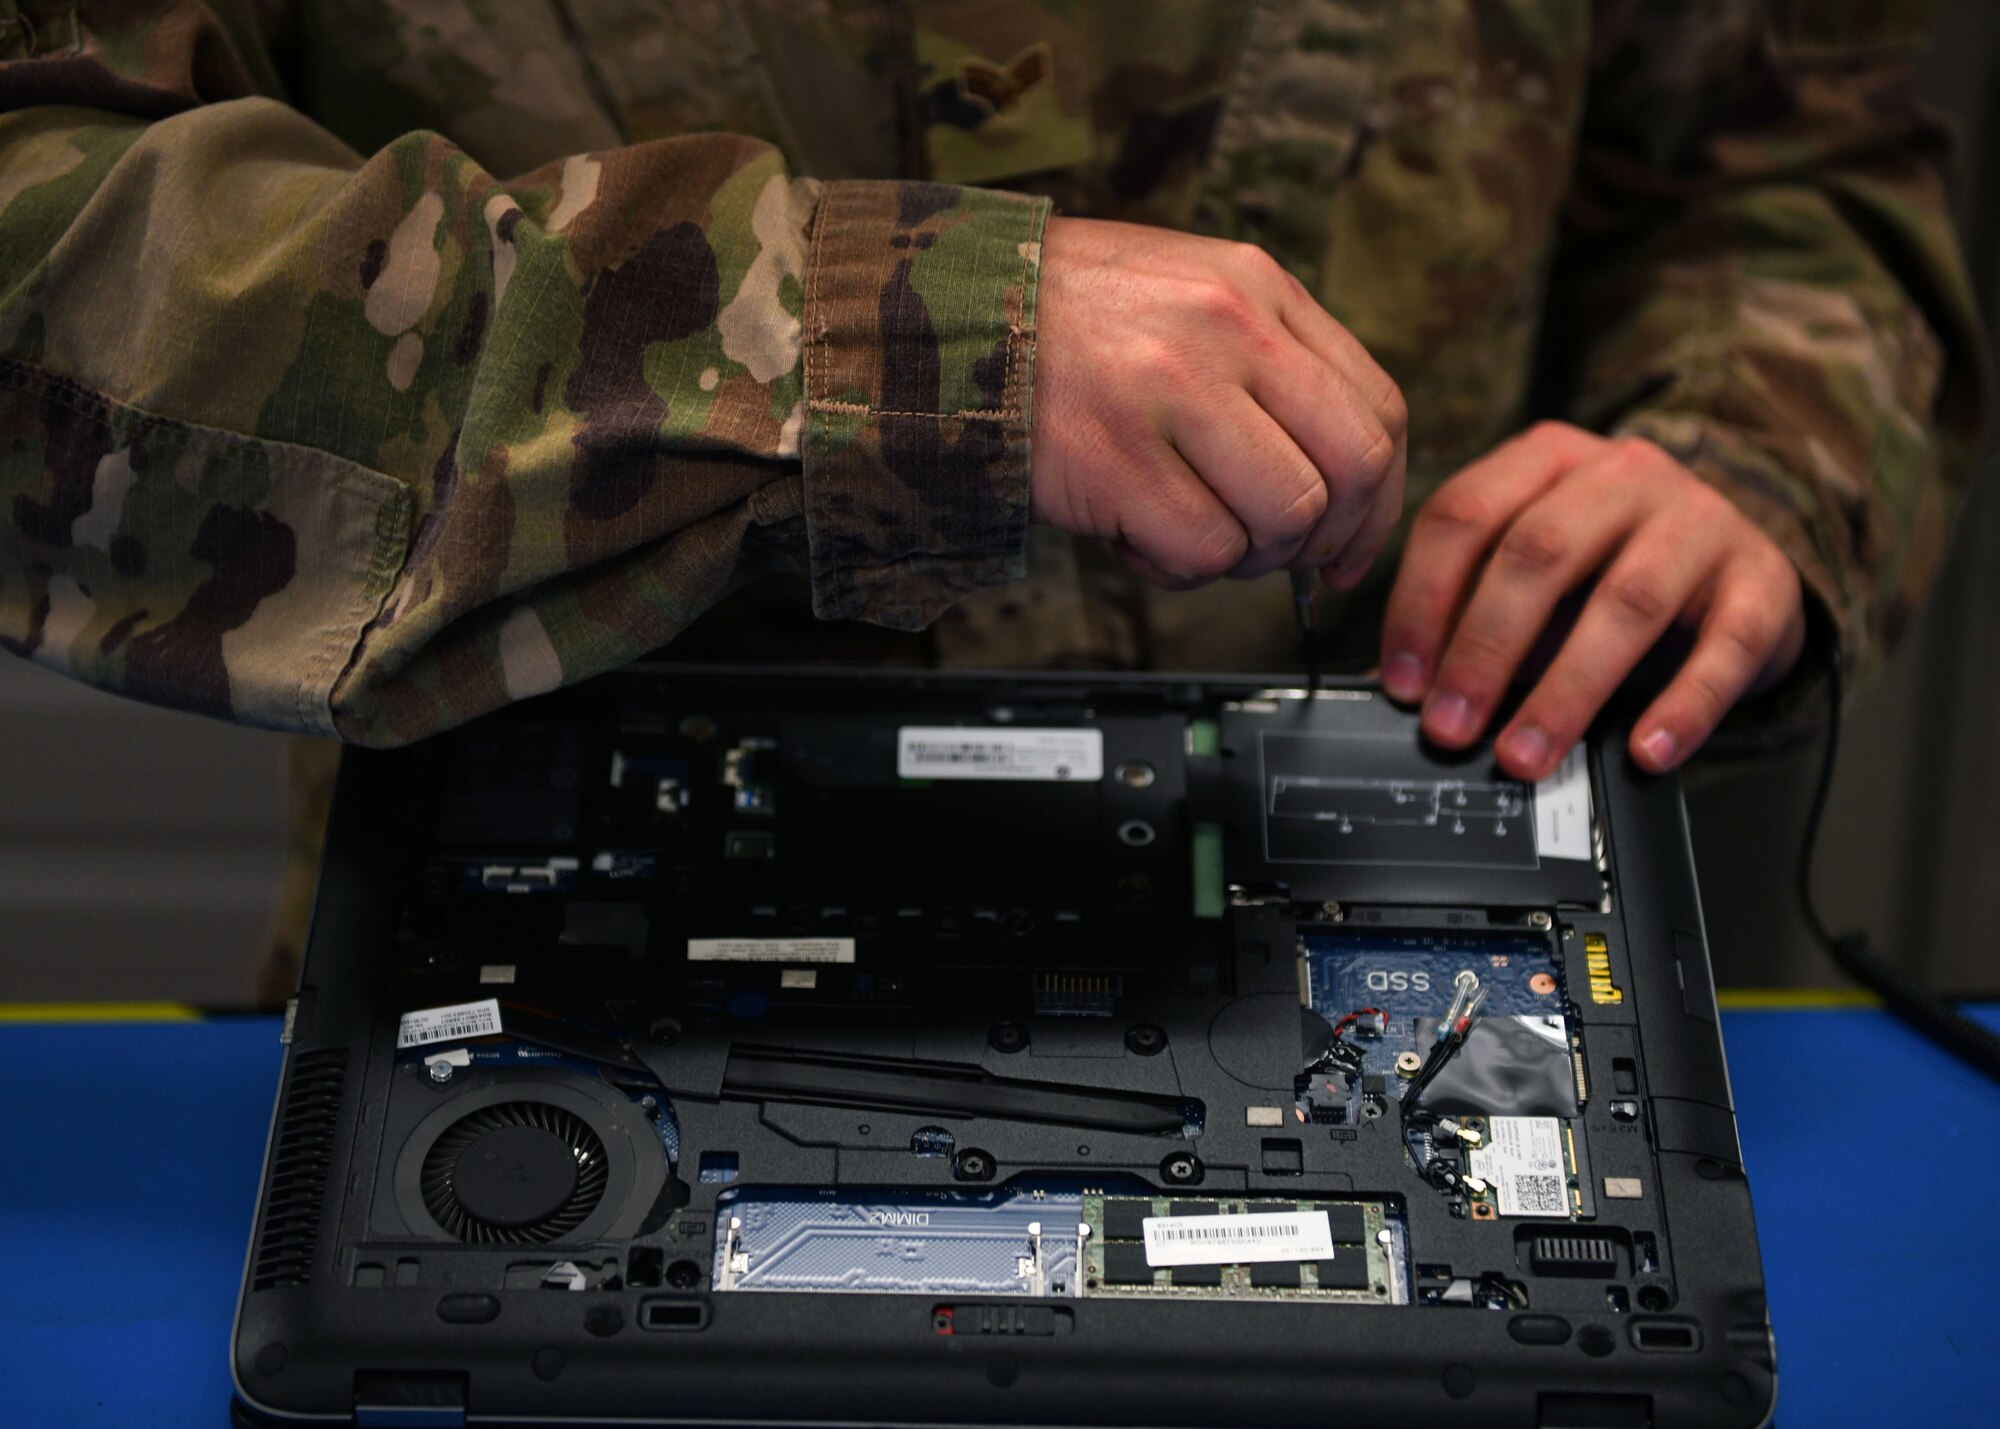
x=1196 y=406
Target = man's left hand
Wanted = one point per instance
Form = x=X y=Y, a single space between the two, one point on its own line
x=1498 y=547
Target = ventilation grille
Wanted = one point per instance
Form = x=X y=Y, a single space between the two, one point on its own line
x=301 y=1159
x=1588 y=1255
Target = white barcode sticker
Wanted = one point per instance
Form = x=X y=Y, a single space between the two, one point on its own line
x=442 y=1024
x=1523 y=1159
x=1065 y=756
x=1562 y=809
x=1238 y=1239
x=770 y=950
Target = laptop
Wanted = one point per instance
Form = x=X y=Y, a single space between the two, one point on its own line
x=808 y=1047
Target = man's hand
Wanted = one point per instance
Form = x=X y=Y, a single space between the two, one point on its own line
x=1501 y=543
x=1195 y=405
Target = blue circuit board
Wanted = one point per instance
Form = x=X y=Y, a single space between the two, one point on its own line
x=1411 y=976
x=897 y=1241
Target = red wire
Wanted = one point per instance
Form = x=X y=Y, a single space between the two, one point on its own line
x=1356 y=1016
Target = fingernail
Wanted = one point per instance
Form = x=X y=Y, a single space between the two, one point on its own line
x=1450 y=717
x=1527 y=747
x=1403 y=676
x=1659 y=747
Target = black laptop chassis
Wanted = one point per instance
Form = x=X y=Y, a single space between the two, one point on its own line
x=804 y=1047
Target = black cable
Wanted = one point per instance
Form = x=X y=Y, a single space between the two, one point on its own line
x=1305 y=602
x=1923 y=1010
x=1433 y=1064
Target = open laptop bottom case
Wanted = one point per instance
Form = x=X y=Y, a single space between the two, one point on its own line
x=923 y=1049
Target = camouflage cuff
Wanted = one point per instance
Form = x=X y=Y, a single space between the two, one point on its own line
x=1770 y=496
x=183 y=565
x=920 y=344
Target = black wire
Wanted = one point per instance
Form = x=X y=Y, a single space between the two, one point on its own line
x=1433 y=1064
x=1923 y=1010
x=1305 y=603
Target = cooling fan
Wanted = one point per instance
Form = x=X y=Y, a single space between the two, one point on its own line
x=511 y=1158
x=520 y=1173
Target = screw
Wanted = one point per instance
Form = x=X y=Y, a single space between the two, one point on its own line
x=440 y=1073
x=1144 y=1039
x=1408 y=1064
x=1007 y=1037
x=1135 y=886
x=1541 y=921
x=1135 y=775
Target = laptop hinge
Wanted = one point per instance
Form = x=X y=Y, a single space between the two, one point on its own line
x=408 y=1399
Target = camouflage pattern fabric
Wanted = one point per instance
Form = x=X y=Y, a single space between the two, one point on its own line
x=365 y=364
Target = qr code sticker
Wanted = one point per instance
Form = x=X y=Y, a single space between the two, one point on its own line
x=1523 y=1158
x=1538 y=1195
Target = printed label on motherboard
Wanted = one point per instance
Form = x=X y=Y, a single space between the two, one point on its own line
x=1238 y=1239
x=770 y=950
x=1524 y=1161
x=443 y=1024
x=1067 y=756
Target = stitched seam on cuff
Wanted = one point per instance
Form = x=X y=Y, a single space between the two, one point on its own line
x=818 y=340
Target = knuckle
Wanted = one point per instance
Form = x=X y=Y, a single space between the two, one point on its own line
x=1533 y=548
x=1778 y=569
x=1302 y=512
x=1454 y=509
x=1394 y=412
x=1366 y=472
x=1481 y=647
x=1222 y=302
x=1377 y=460
x=1631 y=456
x=1266 y=340
x=1638 y=599
x=1572 y=697
x=1214 y=553
x=1558 y=436
x=1166 y=364
x=1254 y=259
x=1187 y=377
x=1704 y=697
x=1704 y=504
x=1747 y=638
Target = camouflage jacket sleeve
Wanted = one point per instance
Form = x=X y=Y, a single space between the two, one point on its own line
x=368 y=445
x=1762 y=278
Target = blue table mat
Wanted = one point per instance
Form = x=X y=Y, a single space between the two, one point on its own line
x=129 y=1156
